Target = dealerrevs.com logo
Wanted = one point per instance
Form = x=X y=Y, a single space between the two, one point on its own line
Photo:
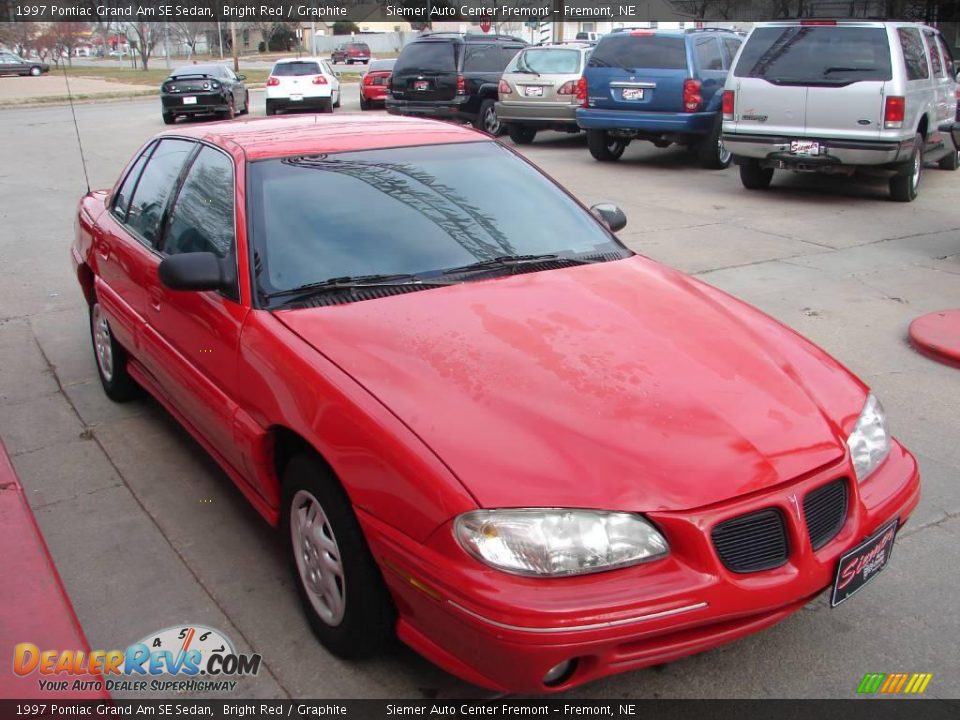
x=184 y=658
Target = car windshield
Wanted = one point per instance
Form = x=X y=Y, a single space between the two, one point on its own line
x=649 y=52
x=432 y=56
x=214 y=70
x=301 y=67
x=816 y=54
x=408 y=211
x=546 y=61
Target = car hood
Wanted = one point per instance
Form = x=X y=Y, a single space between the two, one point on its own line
x=622 y=385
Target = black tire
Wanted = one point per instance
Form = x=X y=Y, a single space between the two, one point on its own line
x=327 y=107
x=755 y=177
x=487 y=120
x=246 y=104
x=950 y=162
x=710 y=150
x=271 y=110
x=337 y=103
x=905 y=185
x=366 y=622
x=365 y=104
x=605 y=147
x=116 y=381
x=169 y=118
x=522 y=134
x=231 y=112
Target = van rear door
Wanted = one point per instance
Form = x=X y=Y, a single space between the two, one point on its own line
x=638 y=70
x=426 y=71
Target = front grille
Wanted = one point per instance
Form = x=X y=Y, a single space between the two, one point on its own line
x=753 y=542
x=825 y=510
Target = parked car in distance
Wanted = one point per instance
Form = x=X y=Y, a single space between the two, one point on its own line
x=479 y=420
x=838 y=97
x=375 y=83
x=452 y=76
x=541 y=89
x=664 y=86
x=302 y=84
x=212 y=89
x=351 y=52
x=12 y=64
x=589 y=36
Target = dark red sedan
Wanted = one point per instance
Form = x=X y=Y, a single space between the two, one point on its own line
x=480 y=421
x=375 y=83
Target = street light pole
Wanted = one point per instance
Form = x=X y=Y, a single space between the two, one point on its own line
x=220 y=38
x=233 y=41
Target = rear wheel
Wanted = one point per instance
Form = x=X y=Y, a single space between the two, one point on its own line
x=365 y=104
x=111 y=358
x=246 y=104
x=231 y=112
x=487 y=119
x=35 y=71
x=755 y=177
x=169 y=118
x=711 y=152
x=951 y=161
x=337 y=103
x=605 y=147
x=904 y=187
x=340 y=586
x=271 y=110
x=521 y=134
x=327 y=107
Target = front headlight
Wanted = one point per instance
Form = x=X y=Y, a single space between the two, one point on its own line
x=558 y=542
x=869 y=442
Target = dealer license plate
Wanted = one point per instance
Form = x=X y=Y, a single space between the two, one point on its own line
x=534 y=91
x=421 y=85
x=633 y=93
x=190 y=100
x=296 y=98
x=804 y=147
x=862 y=564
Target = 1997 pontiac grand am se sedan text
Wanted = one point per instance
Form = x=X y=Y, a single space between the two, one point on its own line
x=537 y=457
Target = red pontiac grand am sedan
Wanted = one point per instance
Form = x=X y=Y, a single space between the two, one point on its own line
x=480 y=421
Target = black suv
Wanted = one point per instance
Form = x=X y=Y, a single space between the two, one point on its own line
x=452 y=76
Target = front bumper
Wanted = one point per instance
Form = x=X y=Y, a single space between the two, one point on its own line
x=534 y=113
x=776 y=149
x=207 y=102
x=439 y=109
x=646 y=122
x=504 y=632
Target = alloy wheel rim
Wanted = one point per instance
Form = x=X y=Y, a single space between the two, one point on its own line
x=318 y=558
x=917 y=169
x=613 y=145
x=722 y=153
x=102 y=343
x=490 y=121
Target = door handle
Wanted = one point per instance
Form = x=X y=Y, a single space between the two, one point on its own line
x=153 y=299
x=102 y=248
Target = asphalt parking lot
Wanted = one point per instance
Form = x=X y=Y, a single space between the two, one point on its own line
x=148 y=533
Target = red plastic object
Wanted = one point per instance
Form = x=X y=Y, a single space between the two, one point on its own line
x=35 y=605
x=937 y=335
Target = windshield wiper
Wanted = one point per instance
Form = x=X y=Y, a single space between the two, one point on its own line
x=847 y=69
x=512 y=261
x=352 y=281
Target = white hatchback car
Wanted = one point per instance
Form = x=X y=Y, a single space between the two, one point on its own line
x=303 y=84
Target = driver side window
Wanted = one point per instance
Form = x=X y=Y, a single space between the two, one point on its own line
x=153 y=190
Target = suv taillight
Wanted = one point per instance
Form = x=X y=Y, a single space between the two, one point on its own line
x=692 y=101
x=461 y=85
x=504 y=88
x=728 y=103
x=568 y=88
x=319 y=80
x=893 y=111
x=273 y=81
x=582 y=92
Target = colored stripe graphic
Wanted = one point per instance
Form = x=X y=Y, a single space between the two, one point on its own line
x=894 y=683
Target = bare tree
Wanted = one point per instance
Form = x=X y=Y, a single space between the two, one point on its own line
x=21 y=36
x=68 y=36
x=146 y=36
x=189 y=33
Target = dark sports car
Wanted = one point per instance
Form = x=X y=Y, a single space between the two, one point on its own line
x=203 y=90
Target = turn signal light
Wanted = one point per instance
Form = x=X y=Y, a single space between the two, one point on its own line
x=728 y=104
x=568 y=88
x=582 y=92
x=319 y=80
x=692 y=101
x=273 y=81
x=894 y=111
x=504 y=88
x=461 y=85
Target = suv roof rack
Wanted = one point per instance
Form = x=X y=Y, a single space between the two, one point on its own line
x=582 y=43
x=708 y=29
x=447 y=35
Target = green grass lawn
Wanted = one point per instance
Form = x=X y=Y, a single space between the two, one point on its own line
x=152 y=77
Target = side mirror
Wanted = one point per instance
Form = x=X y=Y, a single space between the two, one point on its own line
x=611 y=216
x=193 y=271
x=241 y=77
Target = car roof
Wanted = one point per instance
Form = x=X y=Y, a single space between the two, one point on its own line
x=271 y=137
x=198 y=69
x=296 y=60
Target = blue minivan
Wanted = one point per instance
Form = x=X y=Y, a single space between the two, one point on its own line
x=665 y=86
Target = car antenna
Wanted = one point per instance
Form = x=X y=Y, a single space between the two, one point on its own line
x=76 y=127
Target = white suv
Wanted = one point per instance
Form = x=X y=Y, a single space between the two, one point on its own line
x=842 y=96
x=302 y=84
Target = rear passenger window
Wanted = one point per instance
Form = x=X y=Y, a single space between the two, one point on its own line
x=730 y=47
x=935 y=60
x=483 y=58
x=708 y=54
x=122 y=200
x=913 y=54
x=156 y=183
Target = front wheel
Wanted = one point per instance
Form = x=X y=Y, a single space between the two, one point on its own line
x=521 y=134
x=711 y=152
x=604 y=146
x=904 y=187
x=340 y=586
x=487 y=119
x=111 y=358
x=755 y=177
x=35 y=71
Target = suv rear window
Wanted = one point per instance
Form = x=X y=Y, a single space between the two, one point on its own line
x=296 y=68
x=650 y=52
x=362 y=47
x=433 y=56
x=816 y=55
x=558 y=61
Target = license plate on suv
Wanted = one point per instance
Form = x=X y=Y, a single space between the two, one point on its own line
x=421 y=85
x=859 y=566
x=633 y=94
x=804 y=147
x=534 y=91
